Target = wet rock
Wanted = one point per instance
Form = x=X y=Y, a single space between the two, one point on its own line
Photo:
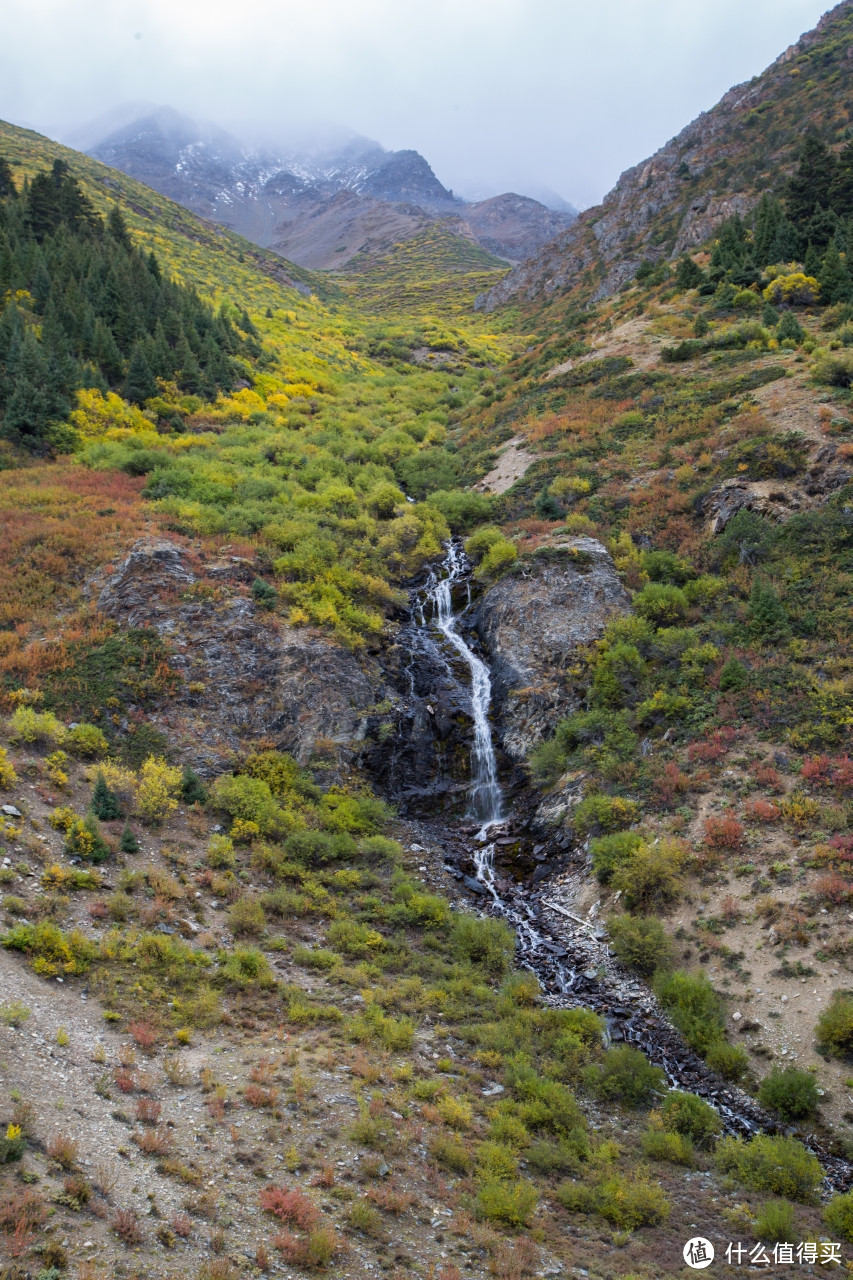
x=531 y=625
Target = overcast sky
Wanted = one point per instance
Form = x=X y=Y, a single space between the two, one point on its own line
x=497 y=94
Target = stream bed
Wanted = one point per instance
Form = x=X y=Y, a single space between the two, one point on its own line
x=568 y=954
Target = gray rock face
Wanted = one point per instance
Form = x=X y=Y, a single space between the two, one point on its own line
x=532 y=624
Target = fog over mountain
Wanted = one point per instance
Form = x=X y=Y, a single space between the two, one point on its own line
x=504 y=95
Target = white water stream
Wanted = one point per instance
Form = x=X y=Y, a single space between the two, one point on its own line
x=485 y=799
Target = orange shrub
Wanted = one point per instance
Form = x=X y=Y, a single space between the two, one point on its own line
x=724 y=833
x=292 y=1207
x=760 y=810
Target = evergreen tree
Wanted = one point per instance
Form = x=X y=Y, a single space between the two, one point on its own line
x=7 y=182
x=29 y=405
x=193 y=790
x=117 y=228
x=841 y=187
x=767 y=620
x=810 y=186
x=688 y=275
x=105 y=803
x=790 y=328
x=139 y=384
x=813 y=261
x=834 y=278
x=128 y=842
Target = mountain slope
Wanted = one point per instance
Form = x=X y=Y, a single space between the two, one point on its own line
x=260 y=194
x=718 y=165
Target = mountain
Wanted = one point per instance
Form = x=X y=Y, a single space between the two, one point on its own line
x=288 y=199
x=718 y=165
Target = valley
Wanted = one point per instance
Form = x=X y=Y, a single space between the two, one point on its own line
x=425 y=709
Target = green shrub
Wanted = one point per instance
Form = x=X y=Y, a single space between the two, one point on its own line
x=496 y=1162
x=220 y=852
x=248 y=798
x=450 y=1153
x=686 y=1114
x=834 y=1030
x=775 y=1222
x=661 y=1144
x=29 y=725
x=728 y=1060
x=512 y=1203
x=246 y=918
x=661 y=603
x=626 y=1202
x=547 y=763
x=603 y=813
x=640 y=942
x=86 y=740
x=51 y=951
x=651 y=880
x=782 y=1166
x=14 y=1014
x=792 y=1094
x=355 y=940
x=694 y=1007
x=838 y=1215
x=248 y=967
x=626 y=1075
x=487 y=943
x=565 y=1155
x=613 y=851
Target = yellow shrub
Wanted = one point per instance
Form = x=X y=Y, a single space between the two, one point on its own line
x=794 y=290
x=456 y=1113
x=96 y=414
x=62 y=819
x=157 y=789
x=28 y=725
x=8 y=777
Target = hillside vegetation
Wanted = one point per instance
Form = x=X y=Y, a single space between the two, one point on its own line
x=246 y=1028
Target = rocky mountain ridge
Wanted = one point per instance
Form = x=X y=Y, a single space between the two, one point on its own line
x=317 y=208
x=717 y=166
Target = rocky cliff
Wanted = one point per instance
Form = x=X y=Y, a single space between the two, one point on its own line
x=718 y=165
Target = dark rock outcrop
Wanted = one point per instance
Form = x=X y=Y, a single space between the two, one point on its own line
x=531 y=625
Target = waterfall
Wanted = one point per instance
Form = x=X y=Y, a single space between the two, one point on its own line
x=485 y=800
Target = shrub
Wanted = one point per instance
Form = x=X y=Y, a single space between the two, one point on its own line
x=627 y=1203
x=84 y=840
x=723 y=833
x=834 y=1030
x=293 y=1207
x=652 y=879
x=450 y=1153
x=311 y=1252
x=626 y=1075
x=563 y=1156
x=775 y=1222
x=8 y=777
x=512 y=1203
x=220 y=852
x=29 y=725
x=358 y=941
x=249 y=798
x=14 y=1014
x=782 y=1166
x=794 y=290
x=792 y=1094
x=640 y=942
x=603 y=813
x=49 y=950
x=838 y=1215
x=488 y=943
x=86 y=740
x=686 y=1114
x=613 y=851
x=661 y=603
x=157 y=789
x=728 y=1060
x=246 y=918
x=694 y=1007
x=193 y=790
x=661 y=1144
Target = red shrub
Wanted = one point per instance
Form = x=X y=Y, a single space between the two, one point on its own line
x=144 y=1035
x=126 y=1226
x=148 y=1110
x=182 y=1225
x=818 y=771
x=712 y=749
x=292 y=1207
x=833 y=888
x=760 y=810
x=309 y=1252
x=98 y=909
x=26 y=1212
x=125 y=1080
x=258 y=1097
x=153 y=1142
x=669 y=784
x=724 y=833
x=766 y=776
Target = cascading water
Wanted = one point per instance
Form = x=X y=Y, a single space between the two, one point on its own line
x=573 y=970
x=485 y=799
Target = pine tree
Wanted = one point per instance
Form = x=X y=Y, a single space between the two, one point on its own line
x=193 y=790
x=688 y=275
x=139 y=384
x=128 y=842
x=768 y=622
x=810 y=185
x=834 y=278
x=117 y=228
x=8 y=189
x=105 y=803
x=28 y=409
